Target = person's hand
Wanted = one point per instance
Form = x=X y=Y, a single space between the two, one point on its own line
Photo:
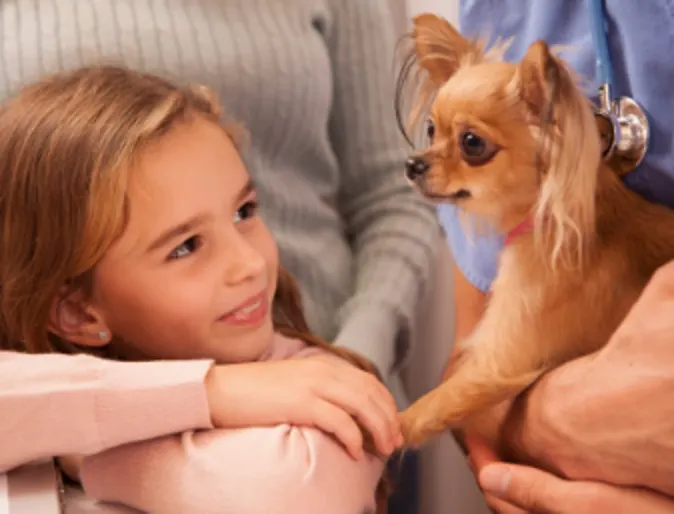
x=320 y=391
x=608 y=416
x=513 y=489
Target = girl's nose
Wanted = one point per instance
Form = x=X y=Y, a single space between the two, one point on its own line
x=243 y=263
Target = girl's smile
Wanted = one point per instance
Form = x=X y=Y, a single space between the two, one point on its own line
x=252 y=312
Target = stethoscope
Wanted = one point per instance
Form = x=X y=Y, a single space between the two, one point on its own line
x=622 y=122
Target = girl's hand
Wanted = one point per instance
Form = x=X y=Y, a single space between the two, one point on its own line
x=320 y=391
x=513 y=489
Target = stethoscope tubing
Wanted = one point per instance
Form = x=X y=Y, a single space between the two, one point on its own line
x=604 y=67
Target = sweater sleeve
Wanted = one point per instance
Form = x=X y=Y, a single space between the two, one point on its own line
x=394 y=231
x=66 y=404
x=282 y=469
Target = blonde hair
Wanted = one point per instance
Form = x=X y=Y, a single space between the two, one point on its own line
x=67 y=145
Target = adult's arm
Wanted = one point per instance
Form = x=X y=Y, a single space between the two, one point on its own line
x=393 y=229
x=609 y=416
x=78 y=404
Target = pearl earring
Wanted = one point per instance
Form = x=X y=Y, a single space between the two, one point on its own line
x=102 y=335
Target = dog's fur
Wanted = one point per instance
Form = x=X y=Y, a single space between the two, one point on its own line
x=562 y=287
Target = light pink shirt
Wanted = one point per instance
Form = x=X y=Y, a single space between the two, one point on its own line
x=63 y=404
x=280 y=470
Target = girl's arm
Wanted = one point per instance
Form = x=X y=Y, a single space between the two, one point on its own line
x=81 y=405
x=280 y=470
x=61 y=404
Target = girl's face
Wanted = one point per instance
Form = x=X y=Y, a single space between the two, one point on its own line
x=195 y=271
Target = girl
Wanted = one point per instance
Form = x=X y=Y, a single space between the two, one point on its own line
x=312 y=80
x=129 y=230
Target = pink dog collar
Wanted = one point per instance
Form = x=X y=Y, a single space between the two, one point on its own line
x=525 y=226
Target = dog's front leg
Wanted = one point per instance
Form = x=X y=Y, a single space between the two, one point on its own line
x=501 y=358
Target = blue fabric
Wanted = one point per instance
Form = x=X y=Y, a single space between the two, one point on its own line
x=641 y=36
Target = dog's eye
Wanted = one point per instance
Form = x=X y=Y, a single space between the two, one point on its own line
x=475 y=149
x=430 y=130
x=472 y=145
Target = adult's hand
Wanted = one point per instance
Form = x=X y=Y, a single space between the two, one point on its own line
x=513 y=489
x=609 y=416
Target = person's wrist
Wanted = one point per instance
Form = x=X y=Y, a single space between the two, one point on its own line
x=233 y=394
x=371 y=332
x=210 y=385
x=527 y=427
x=215 y=394
x=542 y=426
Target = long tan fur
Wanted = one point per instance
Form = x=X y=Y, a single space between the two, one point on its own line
x=563 y=287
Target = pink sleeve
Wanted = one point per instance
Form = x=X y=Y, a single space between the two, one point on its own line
x=64 y=404
x=280 y=470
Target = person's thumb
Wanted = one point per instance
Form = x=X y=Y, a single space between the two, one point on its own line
x=528 y=488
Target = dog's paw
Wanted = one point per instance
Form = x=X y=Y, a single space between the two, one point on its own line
x=412 y=431
x=419 y=423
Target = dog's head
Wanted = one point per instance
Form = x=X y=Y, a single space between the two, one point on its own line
x=506 y=141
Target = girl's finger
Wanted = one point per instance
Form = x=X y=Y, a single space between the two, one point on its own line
x=334 y=420
x=389 y=410
x=378 y=422
x=358 y=403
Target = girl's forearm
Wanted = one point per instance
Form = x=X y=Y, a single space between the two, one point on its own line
x=64 y=404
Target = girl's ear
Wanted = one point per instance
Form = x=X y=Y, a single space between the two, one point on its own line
x=74 y=320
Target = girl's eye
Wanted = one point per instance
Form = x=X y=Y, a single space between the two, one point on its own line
x=185 y=249
x=246 y=211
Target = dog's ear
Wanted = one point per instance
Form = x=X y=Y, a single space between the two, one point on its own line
x=440 y=49
x=540 y=77
x=570 y=152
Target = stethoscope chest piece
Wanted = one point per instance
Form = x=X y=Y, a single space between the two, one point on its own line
x=622 y=122
x=625 y=133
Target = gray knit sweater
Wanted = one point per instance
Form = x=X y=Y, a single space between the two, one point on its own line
x=313 y=81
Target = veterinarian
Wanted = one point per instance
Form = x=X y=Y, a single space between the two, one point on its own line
x=605 y=397
x=313 y=82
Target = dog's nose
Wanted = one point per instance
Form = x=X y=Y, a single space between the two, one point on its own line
x=415 y=167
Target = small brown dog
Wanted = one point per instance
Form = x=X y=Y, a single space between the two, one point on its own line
x=517 y=145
